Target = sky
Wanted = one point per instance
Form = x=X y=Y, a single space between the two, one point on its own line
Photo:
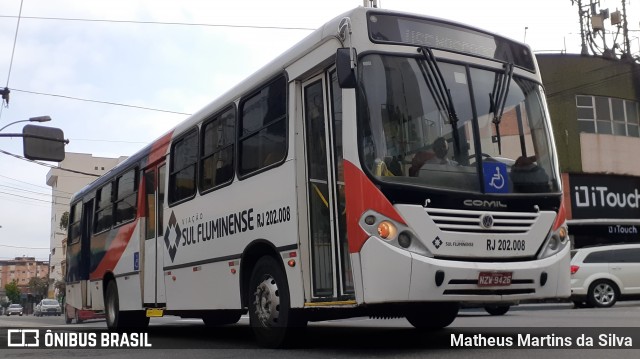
x=176 y=68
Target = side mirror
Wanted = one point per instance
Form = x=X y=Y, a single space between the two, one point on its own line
x=345 y=68
x=43 y=143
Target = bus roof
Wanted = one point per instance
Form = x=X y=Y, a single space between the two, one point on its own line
x=319 y=36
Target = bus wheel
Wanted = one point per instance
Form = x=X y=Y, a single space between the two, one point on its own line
x=497 y=309
x=270 y=313
x=117 y=320
x=67 y=320
x=112 y=307
x=433 y=316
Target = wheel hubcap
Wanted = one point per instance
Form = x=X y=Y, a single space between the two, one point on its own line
x=603 y=293
x=267 y=302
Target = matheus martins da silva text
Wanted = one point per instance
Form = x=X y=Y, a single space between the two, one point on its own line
x=541 y=341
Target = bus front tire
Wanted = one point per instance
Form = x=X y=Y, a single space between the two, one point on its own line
x=270 y=315
x=497 y=309
x=433 y=316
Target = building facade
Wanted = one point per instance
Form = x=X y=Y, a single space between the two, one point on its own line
x=21 y=270
x=64 y=184
x=595 y=111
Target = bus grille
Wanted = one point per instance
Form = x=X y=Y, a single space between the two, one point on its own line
x=449 y=220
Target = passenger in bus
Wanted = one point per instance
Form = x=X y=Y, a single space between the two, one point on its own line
x=441 y=148
x=527 y=176
x=436 y=155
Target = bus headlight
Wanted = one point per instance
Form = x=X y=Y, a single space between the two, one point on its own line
x=392 y=232
x=556 y=241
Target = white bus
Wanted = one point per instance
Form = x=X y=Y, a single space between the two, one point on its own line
x=390 y=165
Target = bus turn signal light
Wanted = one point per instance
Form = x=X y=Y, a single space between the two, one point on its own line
x=562 y=233
x=386 y=230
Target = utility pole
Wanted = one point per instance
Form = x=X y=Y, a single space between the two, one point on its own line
x=625 y=30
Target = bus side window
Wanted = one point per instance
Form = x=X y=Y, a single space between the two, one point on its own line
x=263 y=127
x=184 y=156
x=104 y=209
x=216 y=157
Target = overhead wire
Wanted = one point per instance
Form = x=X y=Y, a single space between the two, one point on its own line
x=31 y=184
x=25 y=197
x=47 y=165
x=15 y=41
x=102 y=102
x=163 y=23
x=129 y=22
x=5 y=93
x=34 y=192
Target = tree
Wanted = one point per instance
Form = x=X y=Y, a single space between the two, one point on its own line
x=38 y=287
x=13 y=292
x=64 y=221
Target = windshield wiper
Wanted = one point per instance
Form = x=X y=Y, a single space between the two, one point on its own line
x=436 y=84
x=498 y=98
x=441 y=93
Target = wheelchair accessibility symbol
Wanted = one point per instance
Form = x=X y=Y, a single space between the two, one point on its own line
x=495 y=177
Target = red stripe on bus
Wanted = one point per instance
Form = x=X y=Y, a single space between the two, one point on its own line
x=362 y=195
x=159 y=148
x=115 y=250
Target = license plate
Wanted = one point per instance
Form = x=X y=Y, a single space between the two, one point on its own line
x=494 y=279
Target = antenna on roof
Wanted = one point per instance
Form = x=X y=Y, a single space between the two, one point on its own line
x=370 y=3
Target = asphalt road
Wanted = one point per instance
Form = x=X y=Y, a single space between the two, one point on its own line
x=366 y=338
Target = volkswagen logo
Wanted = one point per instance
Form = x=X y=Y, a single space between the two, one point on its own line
x=486 y=221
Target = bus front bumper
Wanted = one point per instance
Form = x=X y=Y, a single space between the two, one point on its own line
x=392 y=274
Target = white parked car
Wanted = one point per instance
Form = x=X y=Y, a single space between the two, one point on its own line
x=13 y=310
x=48 y=307
x=602 y=275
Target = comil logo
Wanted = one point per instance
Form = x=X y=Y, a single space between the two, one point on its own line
x=23 y=338
x=172 y=236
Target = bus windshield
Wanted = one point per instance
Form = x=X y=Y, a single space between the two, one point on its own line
x=496 y=140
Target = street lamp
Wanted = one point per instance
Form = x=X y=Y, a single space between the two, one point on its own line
x=32 y=119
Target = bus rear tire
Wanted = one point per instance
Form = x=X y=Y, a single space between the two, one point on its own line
x=433 y=316
x=270 y=315
x=111 y=306
x=118 y=320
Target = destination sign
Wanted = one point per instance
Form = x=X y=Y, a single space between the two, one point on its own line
x=446 y=36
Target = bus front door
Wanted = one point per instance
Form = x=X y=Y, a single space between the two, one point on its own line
x=331 y=275
x=153 y=276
